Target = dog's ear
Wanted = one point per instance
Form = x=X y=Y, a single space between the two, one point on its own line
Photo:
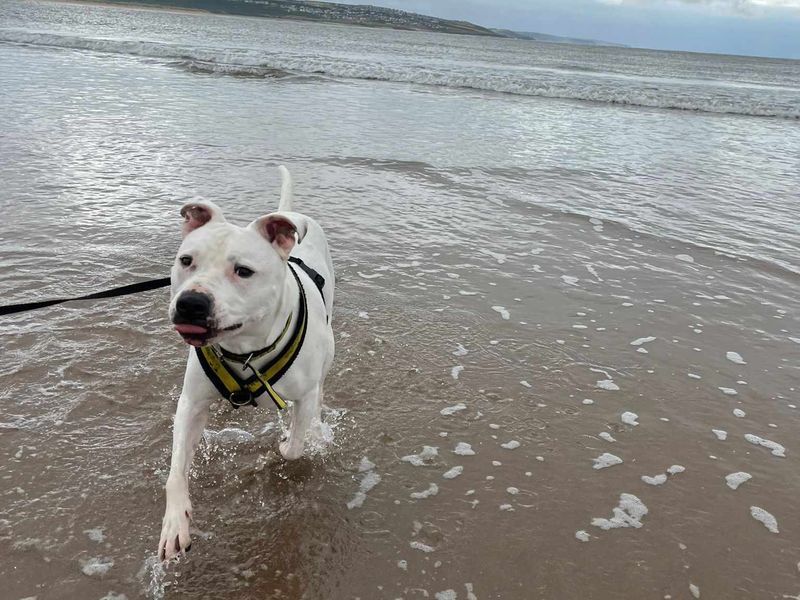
x=283 y=230
x=198 y=213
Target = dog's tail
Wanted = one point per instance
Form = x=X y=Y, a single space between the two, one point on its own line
x=287 y=194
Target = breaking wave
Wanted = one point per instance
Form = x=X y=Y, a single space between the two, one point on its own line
x=568 y=85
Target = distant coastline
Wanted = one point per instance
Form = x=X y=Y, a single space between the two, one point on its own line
x=344 y=14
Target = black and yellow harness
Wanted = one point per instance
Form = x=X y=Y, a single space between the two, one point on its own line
x=243 y=392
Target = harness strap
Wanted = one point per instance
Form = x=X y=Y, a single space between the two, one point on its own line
x=244 y=358
x=243 y=392
x=318 y=279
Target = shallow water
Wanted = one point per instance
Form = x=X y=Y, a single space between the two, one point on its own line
x=590 y=225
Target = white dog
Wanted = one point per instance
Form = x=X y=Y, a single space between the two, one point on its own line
x=256 y=304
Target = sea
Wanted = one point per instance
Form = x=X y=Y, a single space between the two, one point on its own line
x=567 y=312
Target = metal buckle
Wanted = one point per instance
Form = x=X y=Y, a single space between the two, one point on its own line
x=242 y=398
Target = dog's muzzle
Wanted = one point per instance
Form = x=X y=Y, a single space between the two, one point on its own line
x=192 y=317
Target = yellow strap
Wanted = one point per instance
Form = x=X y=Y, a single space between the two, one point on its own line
x=220 y=370
x=223 y=373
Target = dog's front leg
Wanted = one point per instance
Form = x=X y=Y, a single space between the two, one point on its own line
x=303 y=413
x=190 y=420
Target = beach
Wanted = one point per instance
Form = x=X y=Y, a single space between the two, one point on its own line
x=566 y=310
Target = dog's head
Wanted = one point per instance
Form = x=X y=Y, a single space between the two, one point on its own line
x=226 y=277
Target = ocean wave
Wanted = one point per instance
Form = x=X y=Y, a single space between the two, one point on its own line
x=245 y=62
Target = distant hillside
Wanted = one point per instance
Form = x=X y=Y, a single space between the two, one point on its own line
x=553 y=39
x=330 y=12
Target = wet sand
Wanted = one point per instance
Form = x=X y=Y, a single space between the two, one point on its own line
x=507 y=524
x=431 y=256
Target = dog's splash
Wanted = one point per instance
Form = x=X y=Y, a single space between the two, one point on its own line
x=153 y=577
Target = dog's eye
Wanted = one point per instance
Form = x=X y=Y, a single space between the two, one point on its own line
x=243 y=272
x=186 y=260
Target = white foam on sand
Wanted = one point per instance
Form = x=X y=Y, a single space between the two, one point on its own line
x=728 y=391
x=581 y=536
x=446 y=595
x=501 y=310
x=606 y=436
x=734 y=480
x=629 y=418
x=738 y=412
x=694 y=590
x=470 y=594
x=524 y=383
x=684 y=258
x=452 y=409
x=432 y=490
x=721 y=435
x=464 y=449
x=96 y=566
x=453 y=473
x=628 y=513
x=587 y=401
x=428 y=452
x=420 y=546
x=694 y=376
x=659 y=479
x=569 y=279
x=96 y=534
x=675 y=469
x=368 y=481
x=454 y=372
x=511 y=445
x=769 y=521
x=607 y=384
x=735 y=357
x=774 y=447
x=643 y=340
x=606 y=460
x=460 y=351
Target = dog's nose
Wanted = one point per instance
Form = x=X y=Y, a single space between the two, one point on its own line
x=193 y=307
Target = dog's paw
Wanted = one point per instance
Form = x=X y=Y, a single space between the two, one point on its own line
x=175 y=539
x=290 y=451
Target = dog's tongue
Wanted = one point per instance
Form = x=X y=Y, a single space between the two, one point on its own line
x=186 y=329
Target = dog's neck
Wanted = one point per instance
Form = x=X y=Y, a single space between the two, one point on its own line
x=260 y=334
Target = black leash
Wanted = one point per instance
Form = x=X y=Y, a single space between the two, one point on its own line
x=124 y=290
x=135 y=288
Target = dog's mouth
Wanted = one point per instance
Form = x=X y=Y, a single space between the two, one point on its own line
x=200 y=335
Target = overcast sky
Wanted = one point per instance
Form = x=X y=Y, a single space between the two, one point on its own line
x=756 y=27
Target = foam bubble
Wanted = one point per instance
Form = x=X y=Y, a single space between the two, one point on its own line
x=464 y=449
x=432 y=490
x=453 y=473
x=629 y=418
x=452 y=409
x=774 y=447
x=734 y=480
x=769 y=521
x=628 y=513
x=659 y=479
x=428 y=453
x=607 y=384
x=606 y=460
x=735 y=357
